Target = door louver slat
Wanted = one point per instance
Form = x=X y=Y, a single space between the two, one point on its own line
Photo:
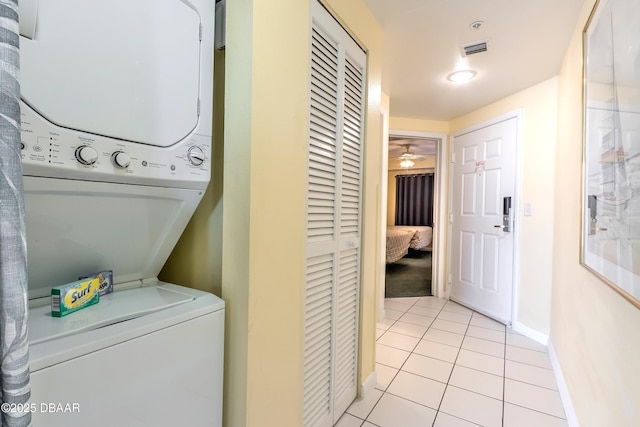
x=346 y=349
x=321 y=218
x=317 y=357
x=351 y=153
x=322 y=140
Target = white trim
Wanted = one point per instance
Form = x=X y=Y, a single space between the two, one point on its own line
x=531 y=333
x=369 y=384
x=413 y=170
x=517 y=229
x=439 y=272
x=382 y=214
x=515 y=290
x=447 y=293
x=439 y=276
x=565 y=396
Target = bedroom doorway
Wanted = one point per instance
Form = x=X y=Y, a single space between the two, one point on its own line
x=414 y=265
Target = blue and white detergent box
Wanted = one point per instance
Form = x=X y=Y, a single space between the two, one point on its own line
x=106 y=281
x=74 y=296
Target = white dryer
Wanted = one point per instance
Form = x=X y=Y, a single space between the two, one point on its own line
x=116 y=133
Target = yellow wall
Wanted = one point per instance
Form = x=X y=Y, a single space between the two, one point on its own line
x=594 y=331
x=418 y=125
x=235 y=233
x=196 y=261
x=264 y=214
x=263 y=263
x=537 y=154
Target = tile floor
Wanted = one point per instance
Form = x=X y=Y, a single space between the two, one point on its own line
x=442 y=365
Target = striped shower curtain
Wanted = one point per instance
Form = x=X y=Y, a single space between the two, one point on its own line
x=14 y=351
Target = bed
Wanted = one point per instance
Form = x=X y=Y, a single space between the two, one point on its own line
x=398 y=242
x=422 y=236
x=402 y=237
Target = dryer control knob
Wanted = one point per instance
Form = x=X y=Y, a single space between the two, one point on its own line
x=196 y=156
x=121 y=159
x=86 y=155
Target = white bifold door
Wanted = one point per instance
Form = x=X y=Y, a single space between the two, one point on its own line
x=337 y=79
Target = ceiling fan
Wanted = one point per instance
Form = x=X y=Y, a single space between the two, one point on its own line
x=408 y=158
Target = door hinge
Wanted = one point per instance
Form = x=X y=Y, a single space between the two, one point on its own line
x=198 y=106
x=453 y=157
x=200 y=32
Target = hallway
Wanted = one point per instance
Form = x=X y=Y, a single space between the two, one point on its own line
x=440 y=364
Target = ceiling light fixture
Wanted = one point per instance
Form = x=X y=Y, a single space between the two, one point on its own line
x=461 y=76
x=476 y=24
x=407 y=163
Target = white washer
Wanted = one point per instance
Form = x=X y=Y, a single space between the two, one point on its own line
x=116 y=132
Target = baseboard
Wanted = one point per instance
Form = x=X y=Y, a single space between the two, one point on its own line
x=572 y=418
x=382 y=314
x=369 y=384
x=531 y=333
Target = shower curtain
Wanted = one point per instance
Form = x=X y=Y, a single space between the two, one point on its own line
x=14 y=351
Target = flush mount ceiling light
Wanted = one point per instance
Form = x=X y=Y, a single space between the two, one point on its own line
x=461 y=76
x=407 y=163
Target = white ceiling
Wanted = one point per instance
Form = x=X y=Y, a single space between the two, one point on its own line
x=417 y=146
x=422 y=38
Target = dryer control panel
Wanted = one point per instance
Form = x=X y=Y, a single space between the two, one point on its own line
x=53 y=151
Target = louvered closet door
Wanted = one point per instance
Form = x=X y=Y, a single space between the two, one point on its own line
x=337 y=75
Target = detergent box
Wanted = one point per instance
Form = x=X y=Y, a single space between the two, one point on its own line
x=106 y=281
x=74 y=296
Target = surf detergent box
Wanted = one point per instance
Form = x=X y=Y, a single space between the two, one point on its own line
x=106 y=281
x=74 y=296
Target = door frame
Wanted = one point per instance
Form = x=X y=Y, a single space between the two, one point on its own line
x=515 y=290
x=438 y=274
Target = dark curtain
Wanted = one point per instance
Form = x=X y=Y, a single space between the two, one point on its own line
x=414 y=199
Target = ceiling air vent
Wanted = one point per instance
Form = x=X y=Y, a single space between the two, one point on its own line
x=472 y=49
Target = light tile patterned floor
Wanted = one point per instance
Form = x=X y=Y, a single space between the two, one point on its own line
x=440 y=364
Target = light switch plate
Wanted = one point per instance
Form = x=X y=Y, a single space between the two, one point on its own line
x=527 y=209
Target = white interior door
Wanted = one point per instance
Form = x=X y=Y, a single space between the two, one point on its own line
x=482 y=256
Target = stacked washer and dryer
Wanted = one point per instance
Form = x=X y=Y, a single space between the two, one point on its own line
x=116 y=133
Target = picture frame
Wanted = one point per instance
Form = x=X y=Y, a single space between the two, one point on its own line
x=610 y=244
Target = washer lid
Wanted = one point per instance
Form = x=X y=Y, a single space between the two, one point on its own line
x=76 y=228
x=113 y=308
x=119 y=68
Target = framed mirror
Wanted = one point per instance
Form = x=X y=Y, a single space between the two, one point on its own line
x=611 y=146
